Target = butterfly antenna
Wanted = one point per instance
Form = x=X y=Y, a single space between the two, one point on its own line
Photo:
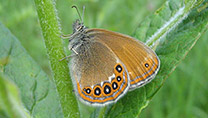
x=83 y=14
x=78 y=12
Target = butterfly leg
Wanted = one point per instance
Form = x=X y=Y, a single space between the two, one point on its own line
x=76 y=53
x=65 y=58
x=65 y=36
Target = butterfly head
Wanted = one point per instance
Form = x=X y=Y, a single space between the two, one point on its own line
x=78 y=26
x=79 y=34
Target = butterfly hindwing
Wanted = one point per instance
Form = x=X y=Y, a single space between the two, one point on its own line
x=99 y=76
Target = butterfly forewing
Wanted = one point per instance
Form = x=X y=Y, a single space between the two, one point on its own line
x=141 y=62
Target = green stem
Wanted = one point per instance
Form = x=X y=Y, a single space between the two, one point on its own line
x=51 y=32
x=102 y=112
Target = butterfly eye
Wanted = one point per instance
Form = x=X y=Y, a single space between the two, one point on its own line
x=118 y=78
x=119 y=68
x=146 y=65
x=97 y=91
x=114 y=85
x=107 y=89
x=88 y=91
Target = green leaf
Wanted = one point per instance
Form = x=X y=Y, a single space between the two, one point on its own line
x=10 y=103
x=177 y=25
x=37 y=91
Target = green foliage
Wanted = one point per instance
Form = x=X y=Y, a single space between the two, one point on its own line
x=184 y=94
x=37 y=91
x=10 y=103
x=177 y=25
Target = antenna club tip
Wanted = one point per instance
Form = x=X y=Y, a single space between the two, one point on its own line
x=81 y=18
x=74 y=6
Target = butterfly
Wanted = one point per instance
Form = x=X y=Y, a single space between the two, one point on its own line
x=105 y=65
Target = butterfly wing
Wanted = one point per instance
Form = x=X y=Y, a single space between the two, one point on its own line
x=141 y=62
x=99 y=76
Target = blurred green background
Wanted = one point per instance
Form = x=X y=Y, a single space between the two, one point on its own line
x=185 y=92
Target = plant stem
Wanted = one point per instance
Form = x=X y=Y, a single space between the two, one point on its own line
x=102 y=112
x=51 y=32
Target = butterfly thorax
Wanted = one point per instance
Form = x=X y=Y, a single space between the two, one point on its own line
x=79 y=35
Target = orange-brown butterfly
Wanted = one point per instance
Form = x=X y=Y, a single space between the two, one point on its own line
x=105 y=64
